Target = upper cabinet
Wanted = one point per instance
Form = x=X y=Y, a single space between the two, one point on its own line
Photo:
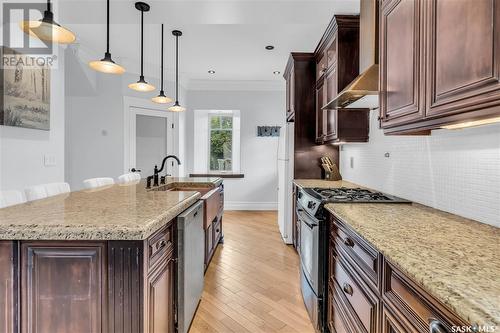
x=337 y=65
x=439 y=63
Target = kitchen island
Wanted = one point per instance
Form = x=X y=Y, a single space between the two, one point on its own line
x=409 y=267
x=99 y=260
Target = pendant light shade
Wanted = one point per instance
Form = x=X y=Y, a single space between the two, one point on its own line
x=47 y=29
x=106 y=64
x=176 y=107
x=161 y=98
x=142 y=85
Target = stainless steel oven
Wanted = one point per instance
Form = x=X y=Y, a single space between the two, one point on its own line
x=312 y=252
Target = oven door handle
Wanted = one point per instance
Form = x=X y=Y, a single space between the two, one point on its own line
x=304 y=218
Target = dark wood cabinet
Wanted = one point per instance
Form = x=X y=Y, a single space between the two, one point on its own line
x=337 y=64
x=62 y=287
x=290 y=95
x=439 y=63
x=300 y=74
x=369 y=294
x=160 y=297
x=463 y=56
x=89 y=286
x=8 y=284
x=401 y=55
x=213 y=209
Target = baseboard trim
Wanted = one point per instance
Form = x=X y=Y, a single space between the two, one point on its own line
x=241 y=205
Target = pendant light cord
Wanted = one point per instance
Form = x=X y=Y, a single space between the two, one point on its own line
x=176 y=69
x=107 y=28
x=48 y=5
x=142 y=44
x=161 y=79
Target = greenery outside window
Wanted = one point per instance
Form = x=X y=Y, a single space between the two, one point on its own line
x=221 y=142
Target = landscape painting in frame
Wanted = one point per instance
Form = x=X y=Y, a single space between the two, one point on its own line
x=26 y=93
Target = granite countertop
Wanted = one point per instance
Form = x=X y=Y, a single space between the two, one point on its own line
x=455 y=259
x=117 y=212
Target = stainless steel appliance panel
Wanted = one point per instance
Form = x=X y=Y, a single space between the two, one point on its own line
x=190 y=265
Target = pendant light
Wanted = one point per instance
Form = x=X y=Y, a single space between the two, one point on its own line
x=161 y=98
x=176 y=107
x=47 y=29
x=106 y=64
x=142 y=85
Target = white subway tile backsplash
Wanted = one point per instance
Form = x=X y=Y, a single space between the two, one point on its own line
x=455 y=171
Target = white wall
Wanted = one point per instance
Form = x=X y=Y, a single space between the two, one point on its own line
x=258 y=189
x=455 y=171
x=22 y=150
x=95 y=120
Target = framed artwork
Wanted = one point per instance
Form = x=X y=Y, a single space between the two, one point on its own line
x=25 y=92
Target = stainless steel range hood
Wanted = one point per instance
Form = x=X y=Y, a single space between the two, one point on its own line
x=363 y=92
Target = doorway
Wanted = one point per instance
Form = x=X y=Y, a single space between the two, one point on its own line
x=148 y=140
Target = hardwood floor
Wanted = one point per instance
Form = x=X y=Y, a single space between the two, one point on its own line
x=252 y=283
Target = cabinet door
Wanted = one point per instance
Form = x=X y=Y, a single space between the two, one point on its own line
x=330 y=116
x=392 y=323
x=320 y=113
x=321 y=65
x=287 y=101
x=7 y=282
x=464 y=56
x=401 y=98
x=292 y=91
x=160 y=299
x=62 y=287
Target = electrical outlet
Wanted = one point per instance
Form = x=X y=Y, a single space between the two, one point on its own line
x=49 y=160
x=351 y=162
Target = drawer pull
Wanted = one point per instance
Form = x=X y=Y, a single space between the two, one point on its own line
x=217 y=230
x=348 y=289
x=436 y=327
x=349 y=242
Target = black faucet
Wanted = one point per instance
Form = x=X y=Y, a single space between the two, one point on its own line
x=156 y=171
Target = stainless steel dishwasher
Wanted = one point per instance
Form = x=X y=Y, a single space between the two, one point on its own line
x=190 y=264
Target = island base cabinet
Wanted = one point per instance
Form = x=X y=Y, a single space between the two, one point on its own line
x=89 y=286
x=62 y=287
x=160 y=296
x=8 y=315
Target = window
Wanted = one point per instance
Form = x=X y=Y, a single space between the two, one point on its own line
x=216 y=141
x=221 y=142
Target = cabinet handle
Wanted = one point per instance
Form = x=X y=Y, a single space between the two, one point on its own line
x=348 y=290
x=436 y=327
x=349 y=242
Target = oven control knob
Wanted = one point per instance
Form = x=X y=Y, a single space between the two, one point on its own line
x=299 y=195
x=311 y=205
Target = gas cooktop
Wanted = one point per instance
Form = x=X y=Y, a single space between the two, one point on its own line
x=344 y=194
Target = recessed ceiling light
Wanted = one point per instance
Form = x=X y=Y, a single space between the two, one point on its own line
x=276 y=72
x=269 y=47
x=211 y=71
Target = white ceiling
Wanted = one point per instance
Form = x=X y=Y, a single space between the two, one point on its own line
x=226 y=36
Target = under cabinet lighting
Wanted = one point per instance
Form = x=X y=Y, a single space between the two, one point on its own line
x=472 y=123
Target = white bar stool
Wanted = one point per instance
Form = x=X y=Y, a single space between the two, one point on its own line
x=11 y=198
x=46 y=190
x=97 y=182
x=131 y=177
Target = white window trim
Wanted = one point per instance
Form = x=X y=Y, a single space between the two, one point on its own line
x=202 y=141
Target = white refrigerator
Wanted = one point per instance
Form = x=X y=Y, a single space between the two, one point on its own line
x=285 y=180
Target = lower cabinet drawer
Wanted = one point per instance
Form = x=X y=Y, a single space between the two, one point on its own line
x=160 y=243
x=403 y=296
x=217 y=229
x=361 y=302
x=336 y=319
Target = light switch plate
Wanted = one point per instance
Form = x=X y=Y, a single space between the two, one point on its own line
x=49 y=160
x=351 y=162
